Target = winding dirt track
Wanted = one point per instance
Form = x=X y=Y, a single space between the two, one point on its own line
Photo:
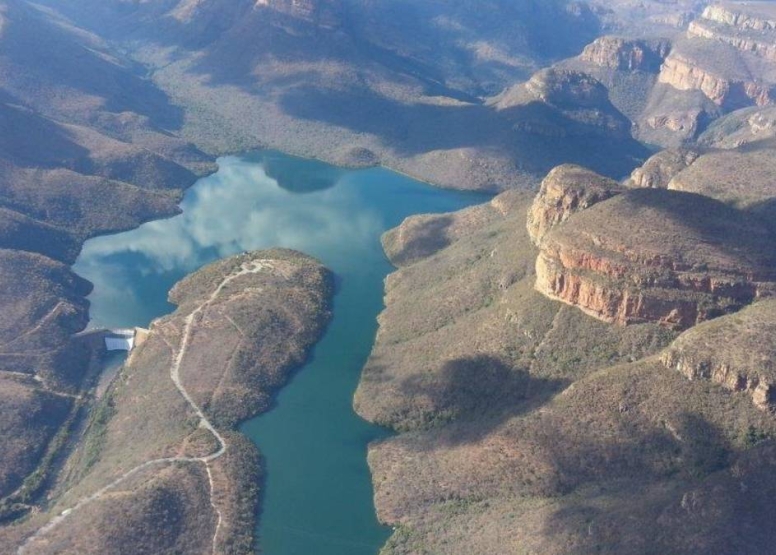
x=252 y=267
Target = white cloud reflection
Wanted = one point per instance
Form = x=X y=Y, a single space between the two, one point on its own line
x=237 y=209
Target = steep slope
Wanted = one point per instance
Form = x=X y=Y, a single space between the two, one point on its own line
x=158 y=467
x=86 y=147
x=734 y=164
x=660 y=256
x=401 y=84
x=515 y=438
x=717 y=67
x=735 y=351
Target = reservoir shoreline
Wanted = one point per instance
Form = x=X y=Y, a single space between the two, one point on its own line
x=318 y=489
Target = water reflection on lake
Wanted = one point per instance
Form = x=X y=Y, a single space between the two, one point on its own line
x=318 y=497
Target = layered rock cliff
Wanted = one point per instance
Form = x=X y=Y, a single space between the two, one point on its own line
x=735 y=351
x=652 y=255
x=566 y=189
x=758 y=16
x=657 y=172
x=626 y=54
x=527 y=426
x=731 y=87
x=728 y=55
x=558 y=102
x=749 y=27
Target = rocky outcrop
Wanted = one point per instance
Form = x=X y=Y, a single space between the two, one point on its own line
x=741 y=177
x=528 y=425
x=326 y=13
x=681 y=124
x=728 y=55
x=745 y=15
x=746 y=42
x=651 y=255
x=561 y=87
x=657 y=172
x=735 y=351
x=566 y=189
x=684 y=73
x=749 y=27
x=558 y=102
x=740 y=128
x=626 y=54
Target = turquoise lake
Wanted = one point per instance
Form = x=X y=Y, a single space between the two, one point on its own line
x=318 y=494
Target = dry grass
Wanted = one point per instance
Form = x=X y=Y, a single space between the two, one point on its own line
x=242 y=347
x=528 y=427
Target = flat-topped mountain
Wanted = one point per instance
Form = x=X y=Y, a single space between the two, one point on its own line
x=527 y=424
x=626 y=54
x=659 y=256
x=561 y=102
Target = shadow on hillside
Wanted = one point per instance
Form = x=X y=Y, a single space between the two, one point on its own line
x=685 y=516
x=431 y=238
x=481 y=389
x=766 y=211
x=414 y=129
x=31 y=41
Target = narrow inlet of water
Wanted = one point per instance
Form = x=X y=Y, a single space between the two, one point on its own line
x=318 y=494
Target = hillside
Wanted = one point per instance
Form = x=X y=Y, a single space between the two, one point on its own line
x=404 y=82
x=563 y=368
x=514 y=437
x=159 y=467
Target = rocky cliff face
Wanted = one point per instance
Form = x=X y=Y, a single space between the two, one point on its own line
x=326 y=13
x=747 y=27
x=625 y=54
x=492 y=463
x=684 y=74
x=754 y=15
x=651 y=255
x=566 y=189
x=736 y=352
x=728 y=55
x=657 y=172
x=559 y=102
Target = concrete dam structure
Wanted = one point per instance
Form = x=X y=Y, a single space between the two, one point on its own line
x=118 y=339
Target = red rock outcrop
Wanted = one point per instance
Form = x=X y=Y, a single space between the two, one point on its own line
x=734 y=351
x=566 y=189
x=651 y=255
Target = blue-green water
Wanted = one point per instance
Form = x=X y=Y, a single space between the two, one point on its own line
x=318 y=495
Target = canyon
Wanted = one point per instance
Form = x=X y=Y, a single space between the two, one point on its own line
x=585 y=353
